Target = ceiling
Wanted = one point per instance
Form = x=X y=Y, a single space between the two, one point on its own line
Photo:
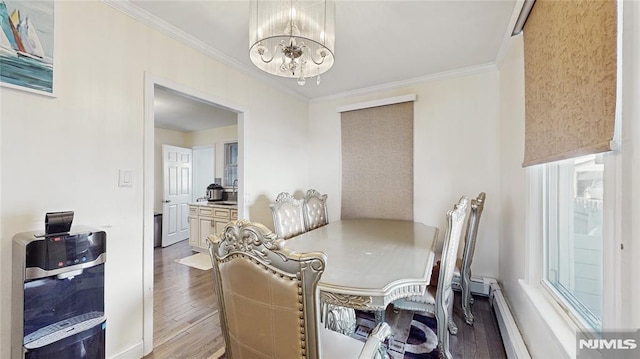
x=176 y=111
x=378 y=43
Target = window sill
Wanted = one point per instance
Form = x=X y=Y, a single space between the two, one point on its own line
x=557 y=321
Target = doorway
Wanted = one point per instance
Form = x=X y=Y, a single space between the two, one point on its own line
x=155 y=88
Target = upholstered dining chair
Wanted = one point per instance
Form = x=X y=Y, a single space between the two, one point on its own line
x=438 y=301
x=315 y=209
x=268 y=299
x=288 y=216
x=463 y=268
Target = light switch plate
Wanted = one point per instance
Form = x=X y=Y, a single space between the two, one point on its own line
x=125 y=178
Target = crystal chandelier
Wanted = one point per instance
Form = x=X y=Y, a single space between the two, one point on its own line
x=292 y=38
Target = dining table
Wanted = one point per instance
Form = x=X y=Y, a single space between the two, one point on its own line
x=371 y=262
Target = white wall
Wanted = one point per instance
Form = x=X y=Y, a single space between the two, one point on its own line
x=629 y=310
x=64 y=153
x=218 y=137
x=455 y=151
x=512 y=204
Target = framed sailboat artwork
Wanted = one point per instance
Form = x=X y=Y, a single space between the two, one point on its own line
x=27 y=45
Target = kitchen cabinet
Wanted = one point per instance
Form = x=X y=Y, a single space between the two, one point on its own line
x=206 y=219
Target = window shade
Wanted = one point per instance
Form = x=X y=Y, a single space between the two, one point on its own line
x=570 y=79
x=377 y=162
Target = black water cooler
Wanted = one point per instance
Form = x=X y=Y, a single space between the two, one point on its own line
x=58 y=295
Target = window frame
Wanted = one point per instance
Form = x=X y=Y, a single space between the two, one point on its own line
x=611 y=316
x=556 y=216
x=228 y=164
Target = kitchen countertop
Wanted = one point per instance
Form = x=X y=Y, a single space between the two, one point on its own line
x=219 y=204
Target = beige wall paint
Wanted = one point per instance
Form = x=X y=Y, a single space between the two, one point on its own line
x=64 y=153
x=455 y=152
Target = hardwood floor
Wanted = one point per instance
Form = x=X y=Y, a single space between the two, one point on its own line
x=185 y=310
x=187 y=325
x=480 y=341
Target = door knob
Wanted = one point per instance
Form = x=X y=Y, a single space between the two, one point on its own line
x=166 y=201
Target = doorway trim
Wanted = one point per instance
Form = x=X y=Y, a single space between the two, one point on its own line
x=150 y=80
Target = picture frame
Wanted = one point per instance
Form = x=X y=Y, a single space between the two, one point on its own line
x=27 y=46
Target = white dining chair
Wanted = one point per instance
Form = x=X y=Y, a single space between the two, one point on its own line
x=315 y=209
x=288 y=216
x=438 y=301
x=463 y=268
x=268 y=300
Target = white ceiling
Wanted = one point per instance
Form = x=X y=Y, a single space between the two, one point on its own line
x=179 y=112
x=378 y=43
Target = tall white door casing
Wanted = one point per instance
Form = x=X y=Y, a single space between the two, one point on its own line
x=177 y=174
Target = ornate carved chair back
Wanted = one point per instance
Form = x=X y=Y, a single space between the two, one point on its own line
x=266 y=293
x=315 y=209
x=288 y=216
x=444 y=293
x=477 y=206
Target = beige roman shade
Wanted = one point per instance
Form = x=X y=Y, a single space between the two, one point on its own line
x=570 y=79
x=377 y=162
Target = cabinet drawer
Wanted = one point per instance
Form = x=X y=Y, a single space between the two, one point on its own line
x=193 y=211
x=234 y=214
x=206 y=211
x=221 y=213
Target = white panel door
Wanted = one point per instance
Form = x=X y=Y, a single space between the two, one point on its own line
x=176 y=164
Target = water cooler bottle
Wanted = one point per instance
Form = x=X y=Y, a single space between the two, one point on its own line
x=58 y=292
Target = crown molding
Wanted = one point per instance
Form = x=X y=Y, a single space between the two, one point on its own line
x=165 y=28
x=466 y=71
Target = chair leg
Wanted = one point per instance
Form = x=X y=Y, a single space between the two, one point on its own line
x=453 y=328
x=443 y=321
x=443 y=346
x=467 y=299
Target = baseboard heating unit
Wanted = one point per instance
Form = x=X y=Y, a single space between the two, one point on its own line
x=479 y=285
x=511 y=338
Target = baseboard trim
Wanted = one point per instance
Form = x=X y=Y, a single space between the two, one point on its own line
x=134 y=352
x=514 y=345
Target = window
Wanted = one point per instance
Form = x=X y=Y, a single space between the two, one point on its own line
x=230 y=163
x=573 y=220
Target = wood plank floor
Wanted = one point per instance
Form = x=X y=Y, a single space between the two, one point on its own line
x=480 y=341
x=187 y=326
x=185 y=309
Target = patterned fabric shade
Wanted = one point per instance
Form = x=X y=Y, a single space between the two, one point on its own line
x=570 y=79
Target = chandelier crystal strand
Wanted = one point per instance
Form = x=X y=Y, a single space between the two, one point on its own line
x=300 y=32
